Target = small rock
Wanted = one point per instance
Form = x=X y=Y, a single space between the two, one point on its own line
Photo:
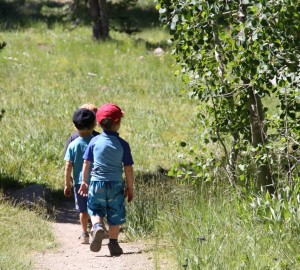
x=159 y=52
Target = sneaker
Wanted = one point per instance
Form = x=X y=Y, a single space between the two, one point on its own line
x=98 y=236
x=106 y=233
x=115 y=249
x=85 y=238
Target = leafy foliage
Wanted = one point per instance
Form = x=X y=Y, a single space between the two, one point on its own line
x=120 y=21
x=234 y=54
x=282 y=210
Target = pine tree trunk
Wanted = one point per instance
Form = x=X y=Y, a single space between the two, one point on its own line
x=100 y=28
x=104 y=19
x=258 y=137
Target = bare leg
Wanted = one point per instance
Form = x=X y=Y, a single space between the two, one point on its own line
x=113 y=245
x=84 y=217
x=114 y=231
x=96 y=219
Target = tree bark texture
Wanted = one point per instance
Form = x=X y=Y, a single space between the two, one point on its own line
x=258 y=137
x=234 y=150
x=100 y=27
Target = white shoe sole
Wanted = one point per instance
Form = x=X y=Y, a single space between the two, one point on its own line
x=96 y=243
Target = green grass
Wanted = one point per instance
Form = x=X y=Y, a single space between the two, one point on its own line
x=22 y=232
x=46 y=74
x=212 y=226
x=212 y=230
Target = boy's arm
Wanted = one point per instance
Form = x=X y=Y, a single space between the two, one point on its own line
x=68 y=178
x=129 y=177
x=83 y=190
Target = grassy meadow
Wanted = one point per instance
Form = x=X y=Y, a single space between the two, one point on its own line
x=48 y=72
x=47 y=75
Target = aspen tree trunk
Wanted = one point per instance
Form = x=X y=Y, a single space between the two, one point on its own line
x=234 y=150
x=258 y=137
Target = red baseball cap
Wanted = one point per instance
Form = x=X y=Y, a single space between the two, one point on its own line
x=109 y=110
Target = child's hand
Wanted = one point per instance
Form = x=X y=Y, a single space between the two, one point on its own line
x=129 y=194
x=84 y=189
x=67 y=191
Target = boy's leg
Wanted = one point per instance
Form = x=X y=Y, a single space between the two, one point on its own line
x=98 y=233
x=96 y=219
x=89 y=225
x=84 y=217
x=113 y=245
x=81 y=206
x=97 y=210
x=101 y=222
x=114 y=231
x=115 y=216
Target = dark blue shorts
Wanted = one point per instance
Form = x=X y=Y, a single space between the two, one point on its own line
x=106 y=199
x=80 y=201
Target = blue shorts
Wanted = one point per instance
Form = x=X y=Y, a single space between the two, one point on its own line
x=80 y=201
x=106 y=199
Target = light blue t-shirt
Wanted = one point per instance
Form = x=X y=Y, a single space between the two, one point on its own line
x=74 y=154
x=108 y=154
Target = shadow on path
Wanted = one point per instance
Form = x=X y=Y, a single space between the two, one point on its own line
x=66 y=213
x=123 y=254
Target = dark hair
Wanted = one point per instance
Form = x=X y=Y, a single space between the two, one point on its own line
x=84 y=119
x=106 y=123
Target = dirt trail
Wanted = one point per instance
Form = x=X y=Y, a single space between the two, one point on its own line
x=71 y=255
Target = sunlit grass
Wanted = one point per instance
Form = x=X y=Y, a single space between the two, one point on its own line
x=22 y=232
x=211 y=232
x=47 y=75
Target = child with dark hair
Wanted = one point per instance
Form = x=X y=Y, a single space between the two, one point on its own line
x=85 y=122
x=109 y=155
x=75 y=135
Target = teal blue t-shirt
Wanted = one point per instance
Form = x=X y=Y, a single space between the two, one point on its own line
x=74 y=154
x=108 y=154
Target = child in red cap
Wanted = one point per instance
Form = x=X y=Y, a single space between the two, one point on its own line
x=108 y=155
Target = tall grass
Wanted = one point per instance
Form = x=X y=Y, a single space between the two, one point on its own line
x=152 y=193
x=210 y=227
x=22 y=232
x=47 y=73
